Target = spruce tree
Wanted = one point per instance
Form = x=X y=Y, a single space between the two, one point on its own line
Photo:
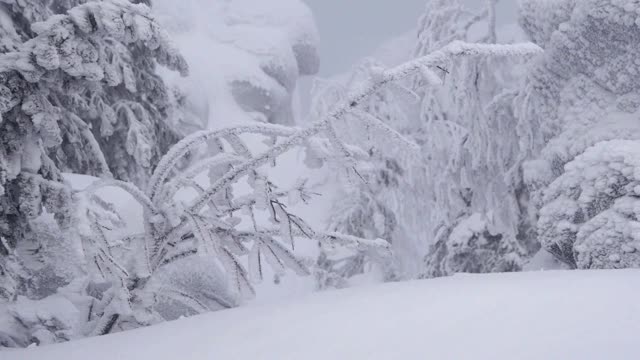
x=79 y=93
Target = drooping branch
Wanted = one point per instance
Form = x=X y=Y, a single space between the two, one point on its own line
x=92 y=145
x=390 y=132
x=131 y=189
x=187 y=175
x=169 y=161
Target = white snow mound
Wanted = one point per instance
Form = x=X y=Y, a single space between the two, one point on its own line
x=538 y=315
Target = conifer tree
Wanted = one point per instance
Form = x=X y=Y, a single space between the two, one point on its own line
x=79 y=93
x=579 y=103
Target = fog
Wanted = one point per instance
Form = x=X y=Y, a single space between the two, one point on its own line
x=352 y=29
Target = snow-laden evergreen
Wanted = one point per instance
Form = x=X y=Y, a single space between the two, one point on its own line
x=581 y=93
x=494 y=135
x=78 y=93
x=468 y=173
x=401 y=195
x=454 y=110
x=589 y=219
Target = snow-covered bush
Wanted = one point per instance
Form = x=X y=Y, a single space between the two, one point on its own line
x=590 y=213
x=191 y=286
x=46 y=321
x=471 y=247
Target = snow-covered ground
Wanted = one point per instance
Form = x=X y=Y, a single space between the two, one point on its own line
x=536 y=315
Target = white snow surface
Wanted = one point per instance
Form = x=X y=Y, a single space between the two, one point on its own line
x=536 y=315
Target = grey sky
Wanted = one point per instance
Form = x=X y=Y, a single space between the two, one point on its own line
x=352 y=29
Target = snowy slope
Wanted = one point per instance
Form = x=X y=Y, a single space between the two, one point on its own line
x=537 y=315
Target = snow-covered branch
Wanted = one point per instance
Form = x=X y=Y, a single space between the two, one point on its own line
x=439 y=57
x=169 y=161
x=130 y=188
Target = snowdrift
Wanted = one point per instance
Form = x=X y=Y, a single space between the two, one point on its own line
x=537 y=315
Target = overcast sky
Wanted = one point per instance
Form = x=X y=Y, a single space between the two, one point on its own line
x=353 y=29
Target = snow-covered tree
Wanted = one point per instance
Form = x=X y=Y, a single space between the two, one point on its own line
x=471 y=149
x=95 y=68
x=460 y=169
x=455 y=111
x=471 y=247
x=582 y=92
x=79 y=93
